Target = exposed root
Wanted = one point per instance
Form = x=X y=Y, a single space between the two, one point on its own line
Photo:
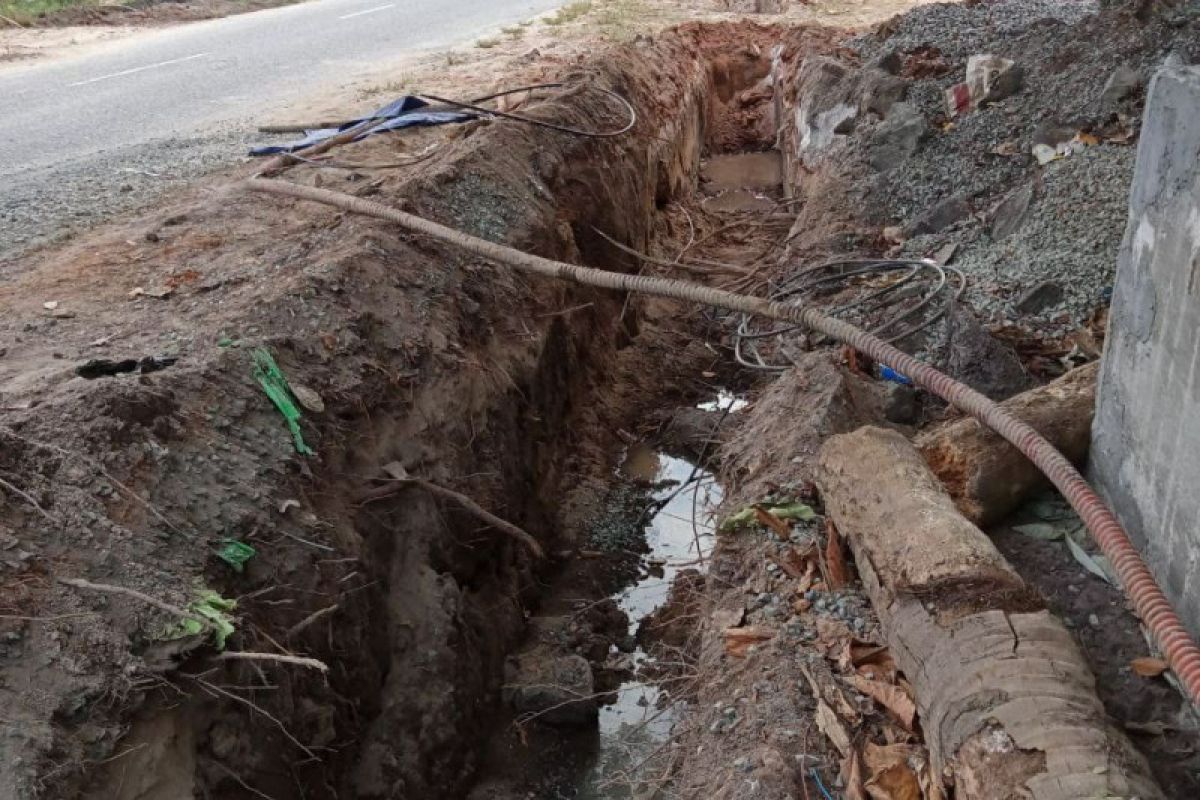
x=80 y=583
x=395 y=485
x=310 y=619
x=300 y=661
x=28 y=498
x=238 y=698
x=99 y=468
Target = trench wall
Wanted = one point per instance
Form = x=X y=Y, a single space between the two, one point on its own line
x=1146 y=436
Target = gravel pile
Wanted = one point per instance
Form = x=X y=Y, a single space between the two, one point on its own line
x=1045 y=260
x=45 y=204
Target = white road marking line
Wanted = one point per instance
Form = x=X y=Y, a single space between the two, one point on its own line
x=140 y=69
x=368 y=11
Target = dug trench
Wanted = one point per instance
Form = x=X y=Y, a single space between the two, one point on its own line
x=393 y=638
x=172 y=494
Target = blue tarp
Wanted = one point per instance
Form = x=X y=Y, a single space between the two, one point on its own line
x=402 y=113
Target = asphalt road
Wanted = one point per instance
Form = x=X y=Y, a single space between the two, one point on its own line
x=84 y=136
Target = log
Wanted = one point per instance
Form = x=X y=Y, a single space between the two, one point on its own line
x=987 y=476
x=1006 y=701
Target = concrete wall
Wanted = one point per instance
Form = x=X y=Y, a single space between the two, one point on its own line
x=1146 y=437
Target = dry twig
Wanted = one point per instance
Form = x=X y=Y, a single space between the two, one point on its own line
x=96 y=465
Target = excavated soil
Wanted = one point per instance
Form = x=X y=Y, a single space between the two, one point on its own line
x=515 y=392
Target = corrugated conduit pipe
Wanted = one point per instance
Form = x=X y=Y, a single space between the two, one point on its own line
x=1149 y=602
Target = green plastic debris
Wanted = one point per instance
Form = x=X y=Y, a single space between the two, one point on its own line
x=208 y=607
x=273 y=382
x=235 y=553
x=796 y=511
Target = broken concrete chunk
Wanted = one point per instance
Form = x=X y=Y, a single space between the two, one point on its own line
x=890 y=61
x=825 y=102
x=897 y=137
x=1052 y=134
x=900 y=403
x=556 y=689
x=1010 y=214
x=1122 y=83
x=941 y=216
x=989 y=80
x=1046 y=294
x=980 y=360
x=880 y=91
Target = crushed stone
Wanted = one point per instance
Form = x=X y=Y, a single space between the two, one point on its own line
x=1071 y=232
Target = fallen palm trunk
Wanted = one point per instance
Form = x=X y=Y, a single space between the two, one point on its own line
x=987 y=476
x=1006 y=701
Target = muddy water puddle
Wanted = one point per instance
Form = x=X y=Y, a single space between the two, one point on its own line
x=679 y=535
x=742 y=181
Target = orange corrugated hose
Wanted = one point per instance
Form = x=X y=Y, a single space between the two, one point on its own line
x=1149 y=602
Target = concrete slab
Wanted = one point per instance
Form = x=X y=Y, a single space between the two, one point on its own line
x=1146 y=436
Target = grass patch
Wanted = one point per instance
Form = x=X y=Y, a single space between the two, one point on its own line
x=27 y=12
x=393 y=88
x=515 y=32
x=570 y=12
x=489 y=43
x=620 y=20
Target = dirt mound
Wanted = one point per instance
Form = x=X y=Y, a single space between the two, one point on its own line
x=1037 y=242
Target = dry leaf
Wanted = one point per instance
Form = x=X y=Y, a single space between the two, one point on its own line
x=838 y=573
x=852 y=776
x=826 y=689
x=874 y=662
x=931 y=783
x=1149 y=667
x=1008 y=148
x=738 y=641
x=728 y=617
x=880 y=757
x=1089 y=139
x=829 y=724
x=893 y=771
x=1151 y=728
x=897 y=701
x=794 y=563
x=832 y=634
x=769 y=520
x=897 y=782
